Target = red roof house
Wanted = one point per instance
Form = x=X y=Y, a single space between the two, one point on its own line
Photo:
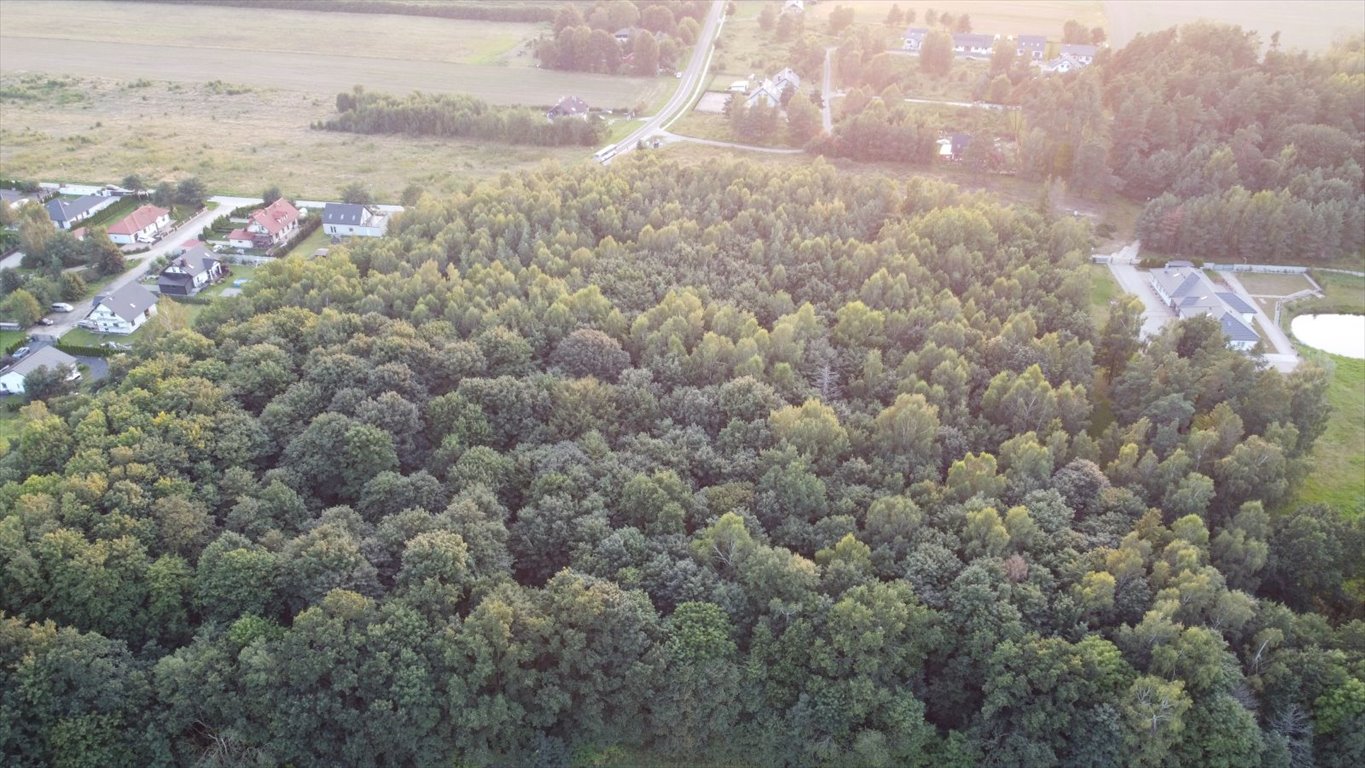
x=141 y=224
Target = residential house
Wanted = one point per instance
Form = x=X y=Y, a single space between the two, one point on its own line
x=1071 y=58
x=914 y=39
x=190 y=272
x=794 y=6
x=67 y=213
x=268 y=227
x=122 y=311
x=349 y=220
x=954 y=146
x=624 y=35
x=970 y=45
x=771 y=89
x=569 y=106
x=1030 y=48
x=140 y=225
x=51 y=358
x=1189 y=293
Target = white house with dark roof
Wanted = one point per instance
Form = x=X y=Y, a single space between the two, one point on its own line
x=914 y=39
x=140 y=225
x=14 y=379
x=569 y=106
x=971 y=45
x=122 y=311
x=190 y=272
x=1030 y=48
x=1070 y=58
x=1190 y=293
x=350 y=220
x=65 y=214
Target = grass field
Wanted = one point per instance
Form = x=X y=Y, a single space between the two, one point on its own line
x=1103 y=289
x=1273 y=285
x=1337 y=467
x=1302 y=26
x=235 y=143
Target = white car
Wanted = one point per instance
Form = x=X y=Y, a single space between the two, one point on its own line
x=20 y=352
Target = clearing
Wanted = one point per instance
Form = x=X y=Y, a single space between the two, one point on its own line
x=1258 y=284
x=1312 y=28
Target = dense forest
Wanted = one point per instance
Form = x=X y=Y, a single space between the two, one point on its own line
x=655 y=35
x=1238 y=154
x=450 y=116
x=718 y=462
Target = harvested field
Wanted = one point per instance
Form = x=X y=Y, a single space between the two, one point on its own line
x=1310 y=26
x=313 y=52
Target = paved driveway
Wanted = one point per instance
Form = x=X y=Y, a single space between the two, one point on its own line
x=1155 y=314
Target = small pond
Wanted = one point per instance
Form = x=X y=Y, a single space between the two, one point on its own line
x=1338 y=334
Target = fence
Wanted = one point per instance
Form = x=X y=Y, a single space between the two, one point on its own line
x=1279 y=269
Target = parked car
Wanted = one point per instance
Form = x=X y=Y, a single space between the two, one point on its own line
x=62 y=306
x=21 y=352
x=46 y=321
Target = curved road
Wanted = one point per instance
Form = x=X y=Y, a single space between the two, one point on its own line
x=693 y=79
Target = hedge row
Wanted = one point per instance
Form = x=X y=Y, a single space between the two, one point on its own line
x=82 y=350
x=308 y=227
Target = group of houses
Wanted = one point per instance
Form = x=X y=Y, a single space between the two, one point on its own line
x=1189 y=293
x=768 y=91
x=1030 y=48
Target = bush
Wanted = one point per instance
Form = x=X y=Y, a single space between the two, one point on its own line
x=83 y=350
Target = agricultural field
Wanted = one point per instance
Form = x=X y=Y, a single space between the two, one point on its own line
x=1312 y=29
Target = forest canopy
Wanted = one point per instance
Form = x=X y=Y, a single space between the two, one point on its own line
x=719 y=462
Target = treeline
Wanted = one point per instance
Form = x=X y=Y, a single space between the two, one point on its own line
x=1256 y=228
x=444 y=115
x=726 y=463
x=490 y=11
x=659 y=31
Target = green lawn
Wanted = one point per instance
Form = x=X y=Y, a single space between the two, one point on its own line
x=239 y=272
x=318 y=239
x=1337 y=466
x=1103 y=289
x=84 y=338
x=9 y=338
x=112 y=214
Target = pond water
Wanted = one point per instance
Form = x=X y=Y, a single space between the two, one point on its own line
x=1338 y=334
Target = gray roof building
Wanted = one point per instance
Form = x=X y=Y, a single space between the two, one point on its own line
x=347 y=214
x=128 y=302
x=1235 y=302
x=47 y=357
x=63 y=211
x=1237 y=331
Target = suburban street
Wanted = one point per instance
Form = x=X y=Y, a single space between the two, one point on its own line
x=693 y=80
x=65 y=321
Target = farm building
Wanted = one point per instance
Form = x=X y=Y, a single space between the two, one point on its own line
x=140 y=225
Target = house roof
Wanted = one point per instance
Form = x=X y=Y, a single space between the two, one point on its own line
x=1236 y=329
x=65 y=210
x=277 y=216
x=570 y=105
x=971 y=40
x=47 y=357
x=1075 y=49
x=1032 y=41
x=138 y=220
x=240 y=234
x=916 y=32
x=345 y=213
x=1179 y=283
x=129 y=301
x=1235 y=302
x=192 y=263
x=787 y=75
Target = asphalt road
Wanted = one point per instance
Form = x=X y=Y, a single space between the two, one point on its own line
x=65 y=321
x=693 y=79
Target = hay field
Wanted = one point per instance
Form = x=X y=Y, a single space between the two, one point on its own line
x=314 y=52
x=1312 y=25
